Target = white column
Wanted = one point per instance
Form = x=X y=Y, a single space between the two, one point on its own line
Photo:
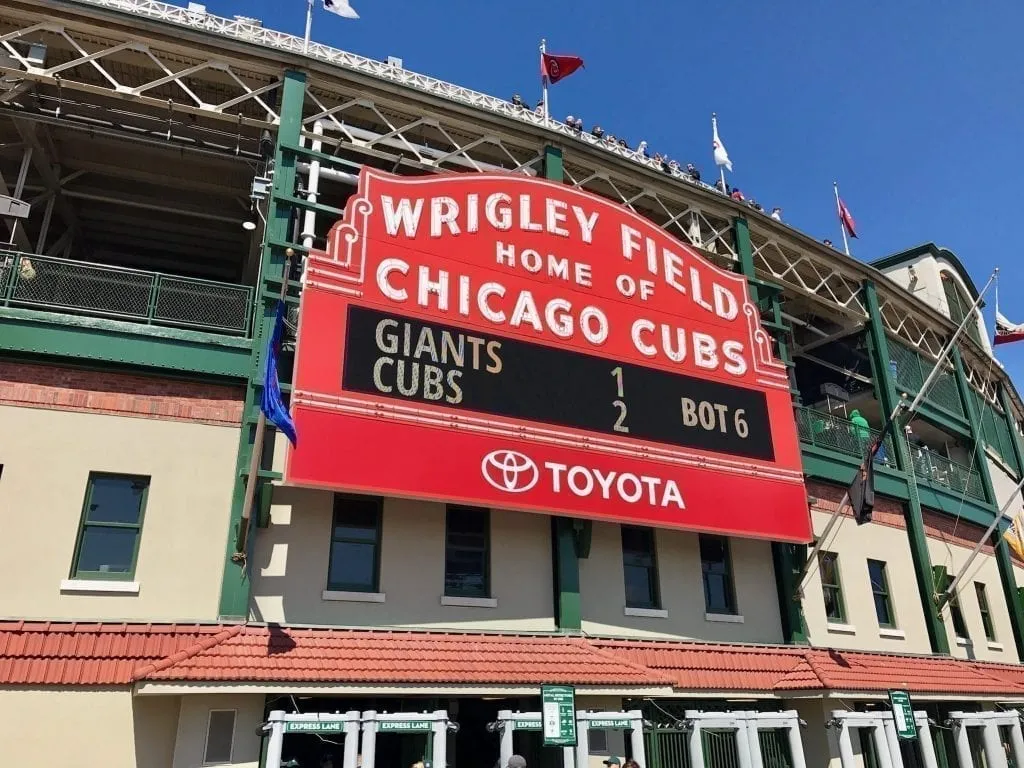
x=893 y=741
x=507 y=730
x=696 y=746
x=369 y=745
x=1017 y=741
x=743 y=745
x=846 y=758
x=995 y=757
x=568 y=758
x=881 y=746
x=582 y=743
x=963 y=745
x=276 y=724
x=440 y=729
x=796 y=746
x=924 y=735
x=351 y=753
x=753 y=742
x=636 y=737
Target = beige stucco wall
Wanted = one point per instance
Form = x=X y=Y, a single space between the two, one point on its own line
x=87 y=728
x=47 y=461
x=984 y=570
x=602 y=590
x=291 y=559
x=190 y=742
x=1004 y=485
x=855 y=546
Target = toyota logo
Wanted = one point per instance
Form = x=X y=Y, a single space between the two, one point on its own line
x=509 y=471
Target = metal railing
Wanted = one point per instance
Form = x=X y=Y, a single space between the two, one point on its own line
x=835 y=433
x=124 y=294
x=935 y=469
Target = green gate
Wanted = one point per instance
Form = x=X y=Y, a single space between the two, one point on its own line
x=669 y=747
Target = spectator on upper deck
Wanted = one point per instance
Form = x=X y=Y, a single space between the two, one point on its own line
x=777 y=213
x=736 y=194
x=692 y=172
x=828 y=242
x=642 y=149
x=517 y=101
x=597 y=131
x=722 y=187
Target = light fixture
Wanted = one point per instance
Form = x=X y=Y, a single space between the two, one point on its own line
x=248 y=226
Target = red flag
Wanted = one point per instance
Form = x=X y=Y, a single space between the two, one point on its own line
x=1007 y=331
x=846 y=219
x=555 y=67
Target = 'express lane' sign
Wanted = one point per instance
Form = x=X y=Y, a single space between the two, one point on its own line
x=511 y=342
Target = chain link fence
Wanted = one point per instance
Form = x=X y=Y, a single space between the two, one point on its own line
x=118 y=292
x=910 y=370
x=826 y=430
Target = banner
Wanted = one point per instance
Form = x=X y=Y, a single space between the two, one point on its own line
x=510 y=342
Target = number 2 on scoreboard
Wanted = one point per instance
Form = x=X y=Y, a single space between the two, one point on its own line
x=620 y=425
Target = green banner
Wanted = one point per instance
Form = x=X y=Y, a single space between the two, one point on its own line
x=405 y=726
x=597 y=724
x=903 y=714
x=314 y=726
x=558 y=715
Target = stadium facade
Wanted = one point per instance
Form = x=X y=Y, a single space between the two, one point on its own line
x=440 y=544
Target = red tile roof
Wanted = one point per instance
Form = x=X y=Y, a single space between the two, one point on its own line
x=360 y=656
x=51 y=653
x=46 y=653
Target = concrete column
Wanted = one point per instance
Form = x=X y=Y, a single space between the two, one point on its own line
x=440 y=729
x=924 y=736
x=893 y=742
x=1017 y=740
x=846 y=758
x=507 y=730
x=696 y=747
x=351 y=753
x=995 y=757
x=963 y=746
x=276 y=723
x=796 y=746
x=881 y=747
x=369 y=746
x=743 y=746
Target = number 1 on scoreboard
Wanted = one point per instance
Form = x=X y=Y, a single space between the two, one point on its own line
x=620 y=425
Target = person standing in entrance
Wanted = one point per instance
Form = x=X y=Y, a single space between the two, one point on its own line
x=516 y=761
x=613 y=762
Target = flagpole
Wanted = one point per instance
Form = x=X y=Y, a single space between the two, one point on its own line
x=544 y=80
x=936 y=371
x=257 y=442
x=721 y=168
x=309 y=25
x=842 y=224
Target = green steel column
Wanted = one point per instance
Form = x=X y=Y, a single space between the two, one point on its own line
x=974 y=419
x=565 y=549
x=1006 y=571
x=786 y=558
x=234 y=593
x=878 y=346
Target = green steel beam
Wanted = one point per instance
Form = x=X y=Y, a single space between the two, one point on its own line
x=839 y=468
x=786 y=558
x=878 y=348
x=1007 y=573
x=235 y=586
x=567 y=534
x=75 y=337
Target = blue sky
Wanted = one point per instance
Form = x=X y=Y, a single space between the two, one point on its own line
x=913 y=106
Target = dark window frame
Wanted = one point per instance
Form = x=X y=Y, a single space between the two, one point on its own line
x=84 y=524
x=339 y=500
x=731 y=607
x=986 y=611
x=650 y=554
x=212 y=760
x=485 y=550
x=882 y=592
x=956 y=614
x=836 y=589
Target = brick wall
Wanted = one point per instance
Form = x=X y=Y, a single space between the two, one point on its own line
x=70 y=389
x=949 y=530
x=887 y=511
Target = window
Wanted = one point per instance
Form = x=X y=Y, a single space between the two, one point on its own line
x=986 y=614
x=957 y=615
x=640 y=567
x=719 y=595
x=355 y=545
x=828 y=567
x=220 y=732
x=959 y=305
x=467 y=552
x=108 y=538
x=880 y=592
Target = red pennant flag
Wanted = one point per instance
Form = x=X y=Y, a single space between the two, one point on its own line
x=846 y=219
x=555 y=67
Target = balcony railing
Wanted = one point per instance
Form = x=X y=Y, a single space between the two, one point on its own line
x=834 y=433
x=935 y=469
x=124 y=294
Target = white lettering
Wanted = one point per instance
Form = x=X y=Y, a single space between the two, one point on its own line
x=643 y=326
x=555 y=210
x=498 y=211
x=705 y=351
x=733 y=352
x=587 y=223
x=443 y=211
x=588 y=317
x=631 y=496
x=558 y=318
x=384 y=270
x=428 y=286
x=525 y=222
x=486 y=291
x=573 y=477
x=406 y=214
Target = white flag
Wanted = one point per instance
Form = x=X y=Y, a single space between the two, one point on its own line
x=340 y=8
x=721 y=156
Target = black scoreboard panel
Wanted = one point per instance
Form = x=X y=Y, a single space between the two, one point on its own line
x=393 y=356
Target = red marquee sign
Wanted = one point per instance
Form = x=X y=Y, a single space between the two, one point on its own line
x=509 y=342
